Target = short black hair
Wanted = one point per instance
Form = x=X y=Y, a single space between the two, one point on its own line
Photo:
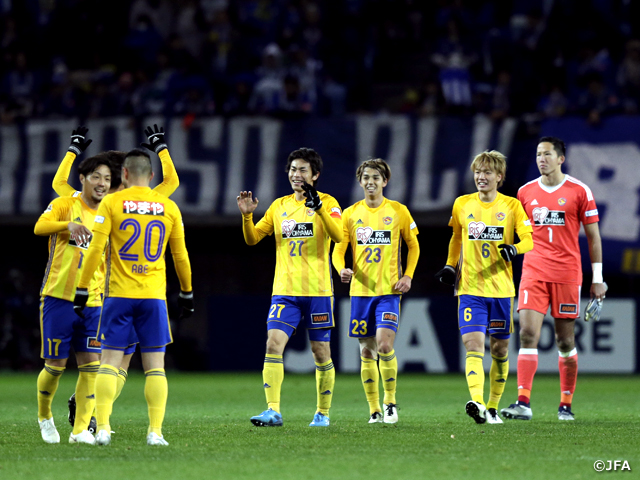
x=116 y=157
x=91 y=164
x=310 y=156
x=558 y=145
x=137 y=168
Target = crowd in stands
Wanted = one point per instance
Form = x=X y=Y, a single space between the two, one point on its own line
x=296 y=58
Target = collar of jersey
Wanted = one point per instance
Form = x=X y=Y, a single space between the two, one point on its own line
x=384 y=201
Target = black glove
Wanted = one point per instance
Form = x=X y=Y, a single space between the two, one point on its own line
x=156 y=139
x=313 y=199
x=78 y=142
x=508 y=252
x=185 y=302
x=80 y=301
x=447 y=275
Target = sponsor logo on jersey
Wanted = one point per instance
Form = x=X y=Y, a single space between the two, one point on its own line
x=369 y=236
x=568 y=308
x=481 y=231
x=387 y=220
x=497 y=324
x=143 y=208
x=99 y=219
x=591 y=213
x=83 y=246
x=535 y=202
x=310 y=211
x=92 y=342
x=562 y=201
x=319 y=318
x=293 y=229
x=389 y=317
x=544 y=216
x=471 y=217
x=500 y=216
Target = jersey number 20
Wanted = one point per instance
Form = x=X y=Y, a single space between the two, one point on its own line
x=148 y=236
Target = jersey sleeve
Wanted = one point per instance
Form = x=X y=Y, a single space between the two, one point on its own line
x=331 y=217
x=456 y=238
x=53 y=219
x=170 y=180
x=588 y=209
x=179 y=251
x=339 y=250
x=409 y=231
x=254 y=233
x=60 y=182
x=102 y=222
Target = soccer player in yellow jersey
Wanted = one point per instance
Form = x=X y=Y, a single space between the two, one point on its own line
x=482 y=248
x=170 y=183
x=375 y=228
x=139 y=223
x=68 y=222
x=302 y=287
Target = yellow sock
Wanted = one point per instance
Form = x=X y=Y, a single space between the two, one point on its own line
x=122 y=379
x=85 y=395
x=47 y=386
x=497 y=379
x=389 y=372
x=106 y=382
x=325 y=381
x=370 y=381
x=156 y=391
x=273 y=375
x=475 y=376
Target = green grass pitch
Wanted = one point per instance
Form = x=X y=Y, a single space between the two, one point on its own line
x=207 y=426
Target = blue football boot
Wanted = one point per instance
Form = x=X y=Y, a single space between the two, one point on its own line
x=319 y=420
x=268 y=418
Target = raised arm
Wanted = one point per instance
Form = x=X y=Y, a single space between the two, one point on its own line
x=247 y=205
x=77 y=145
x=170 y=180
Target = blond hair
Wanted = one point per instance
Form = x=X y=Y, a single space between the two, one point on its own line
x=495 y=160
x=377 y=164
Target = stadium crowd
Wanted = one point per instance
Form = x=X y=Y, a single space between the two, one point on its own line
x=542 y=58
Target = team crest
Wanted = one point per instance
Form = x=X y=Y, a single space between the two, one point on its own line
x=500 y=216
x=363 y=234
x=562 y=201
x=476 y=228
x=539 y=214
x=387 y=220
x=310 y=212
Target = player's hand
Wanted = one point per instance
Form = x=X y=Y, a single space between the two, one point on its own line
x=79 y=233
x=156 y=139
x=403 y=285
x=246 y=203
x=447 y=275
x=508 y=252
x=185 y=302
x=80 y=301
x=598 y=290
x=313 y=199
x=345 y=275
x=79 y=142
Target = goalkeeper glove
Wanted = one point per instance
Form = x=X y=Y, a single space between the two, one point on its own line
x=447 y=275
x=593 y=310
x=185 y=302
x=313 y=199
x=80 y=301
x=78 y=141
x=508 y=252
x=156 y=139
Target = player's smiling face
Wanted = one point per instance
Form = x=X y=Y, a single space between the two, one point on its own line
x=96 y=185
x=547 y=158
x=486 y=179
x=372 y=183
x=299 y=172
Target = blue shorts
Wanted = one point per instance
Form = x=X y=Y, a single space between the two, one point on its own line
x=62 y=328
x=286 y=312
x=370 y=313
x=482 y=314
x=124 y=320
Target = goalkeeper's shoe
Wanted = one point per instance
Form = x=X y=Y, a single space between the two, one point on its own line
x=268 y=418
x=493 y=417
x=319 y=420
x=376 y=417
x=477 y=411
x=565 y=413
x=516 y=411
x=72 y=408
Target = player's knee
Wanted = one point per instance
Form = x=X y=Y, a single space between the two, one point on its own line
x=321 y=351
x=500 y=350
x=528 y=337
x=275 y=347
x=565 y=343
x=385 y=347
x=473 y=346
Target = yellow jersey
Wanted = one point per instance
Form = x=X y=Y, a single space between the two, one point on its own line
x=376 y=235
x=139 y=222
x=303 y=267
x=66 y=257
x=481 y=227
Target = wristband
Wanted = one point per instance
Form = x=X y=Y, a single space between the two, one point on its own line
x=597 y=273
